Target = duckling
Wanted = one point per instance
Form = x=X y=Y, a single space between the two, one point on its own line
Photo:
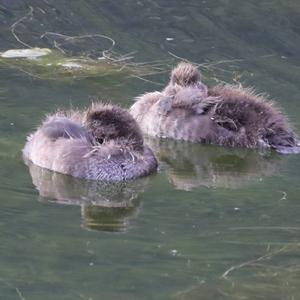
x=102 y=143
x=186 y=109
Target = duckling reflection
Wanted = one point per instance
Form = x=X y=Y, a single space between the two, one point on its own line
x=189 y=166
x=104 y=206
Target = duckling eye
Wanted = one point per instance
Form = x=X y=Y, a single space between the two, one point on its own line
x=100 y=140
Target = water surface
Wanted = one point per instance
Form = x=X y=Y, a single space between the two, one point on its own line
x=214 y=223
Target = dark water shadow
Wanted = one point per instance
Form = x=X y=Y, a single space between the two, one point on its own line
x=104 y=206
x=190 y=166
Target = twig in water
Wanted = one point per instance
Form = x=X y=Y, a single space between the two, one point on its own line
x=284 y=196
x=224 y=61
x=265 y=228
x=20 y=294
x=14 y=25
x=146 y=80
x=250 y=262
x=71 y=38
x=181 y=58
x=58 y=47
x=208 y=66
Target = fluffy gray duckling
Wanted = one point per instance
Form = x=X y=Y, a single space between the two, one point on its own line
x=103 y=143
x=225 y=114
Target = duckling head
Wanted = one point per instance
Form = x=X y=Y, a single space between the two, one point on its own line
x=111 y=123
x=185 y=74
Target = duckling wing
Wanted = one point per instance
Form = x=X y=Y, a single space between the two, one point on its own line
x=194 y=99
x=61 y=127
x=205 y=104
x=197 y=105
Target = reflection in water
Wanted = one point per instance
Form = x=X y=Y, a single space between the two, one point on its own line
x=104 y=206
x=190 y=166
x=253 y=279
x=255 y=43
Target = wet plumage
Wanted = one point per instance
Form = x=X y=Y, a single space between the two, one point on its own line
x=225 y=115
x=101 y=143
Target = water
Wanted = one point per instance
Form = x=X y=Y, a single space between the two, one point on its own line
x=214 y=223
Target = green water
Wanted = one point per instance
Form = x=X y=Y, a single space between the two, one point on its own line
x=213 y=223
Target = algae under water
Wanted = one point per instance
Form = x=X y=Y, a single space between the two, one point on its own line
x=214 y=223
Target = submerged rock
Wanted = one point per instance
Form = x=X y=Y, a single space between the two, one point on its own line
x=70 y=65
x=26 y=53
